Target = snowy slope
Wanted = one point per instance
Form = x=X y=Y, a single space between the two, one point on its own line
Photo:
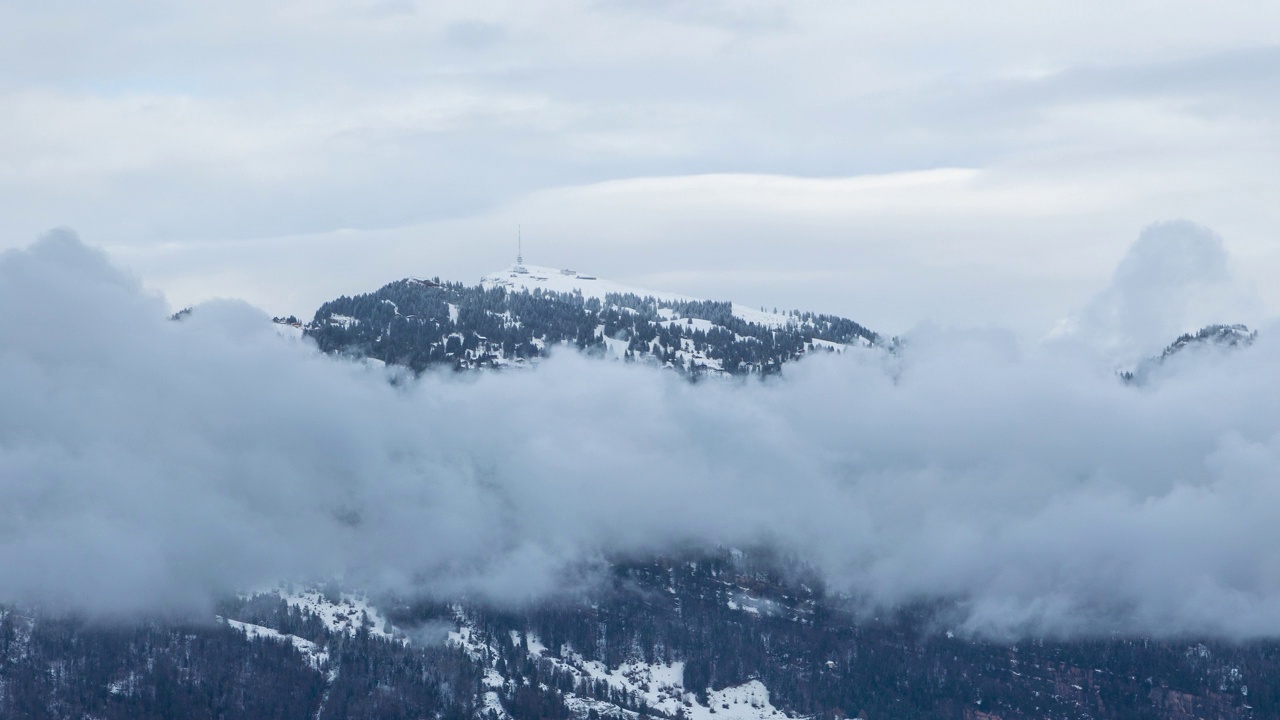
x=532 y=277
x=660 y=685
x=522 y=313
x=346 y=614
x=315 y=656
x=1211 y=338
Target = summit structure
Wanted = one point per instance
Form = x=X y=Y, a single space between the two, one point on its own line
x=519 y=266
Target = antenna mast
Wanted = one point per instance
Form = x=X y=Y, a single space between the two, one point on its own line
x=519 y=247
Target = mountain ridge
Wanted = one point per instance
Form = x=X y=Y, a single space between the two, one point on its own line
x=518 y=315
x=1210 y=337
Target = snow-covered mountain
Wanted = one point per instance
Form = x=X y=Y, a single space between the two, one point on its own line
x=521 y=313
x=701 y=634
x=1211 y=338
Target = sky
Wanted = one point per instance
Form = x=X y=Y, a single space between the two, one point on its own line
x=897 y=162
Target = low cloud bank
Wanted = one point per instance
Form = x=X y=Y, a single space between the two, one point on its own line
x=152 y=465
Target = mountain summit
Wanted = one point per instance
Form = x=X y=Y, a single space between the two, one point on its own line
x=521 y=313
x=1210 y=337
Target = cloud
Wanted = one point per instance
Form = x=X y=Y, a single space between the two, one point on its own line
x=151 y=465
x=1176 y=278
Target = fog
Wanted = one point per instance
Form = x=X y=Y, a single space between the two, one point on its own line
x=148 y=465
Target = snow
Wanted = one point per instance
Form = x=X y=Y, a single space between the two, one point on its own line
x=315 y=656
x=753 y=605
x=660 y=685
x=582 y=707
x=819 y=344
x=345 y=321
x=465 y=637
x=553 y=280
x=616 y=349
x=346 y=615
x=761 y=317
x=285 y=330
x=492 y=703
x=750 y=700
x=536 y=648
x=556 y=281
x=592 y=287
x=453 y=313
x=693 y=324
x=530 y=278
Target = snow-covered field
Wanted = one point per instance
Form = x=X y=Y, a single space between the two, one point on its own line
x=531 y=277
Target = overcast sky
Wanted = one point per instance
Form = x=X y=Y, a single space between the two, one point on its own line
x=976 y=163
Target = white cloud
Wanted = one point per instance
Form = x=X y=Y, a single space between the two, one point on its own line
x=149 y=464
x=1176 y=278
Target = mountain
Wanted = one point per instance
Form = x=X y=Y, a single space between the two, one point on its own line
x=520 y=314
x=1218 y=336
x=707 y=634
x=1208 y=338
x=719 y=635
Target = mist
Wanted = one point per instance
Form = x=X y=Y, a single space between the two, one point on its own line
x=148 y=465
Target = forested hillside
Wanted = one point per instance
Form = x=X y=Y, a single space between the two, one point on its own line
x=724 y=635
x=424 y=323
